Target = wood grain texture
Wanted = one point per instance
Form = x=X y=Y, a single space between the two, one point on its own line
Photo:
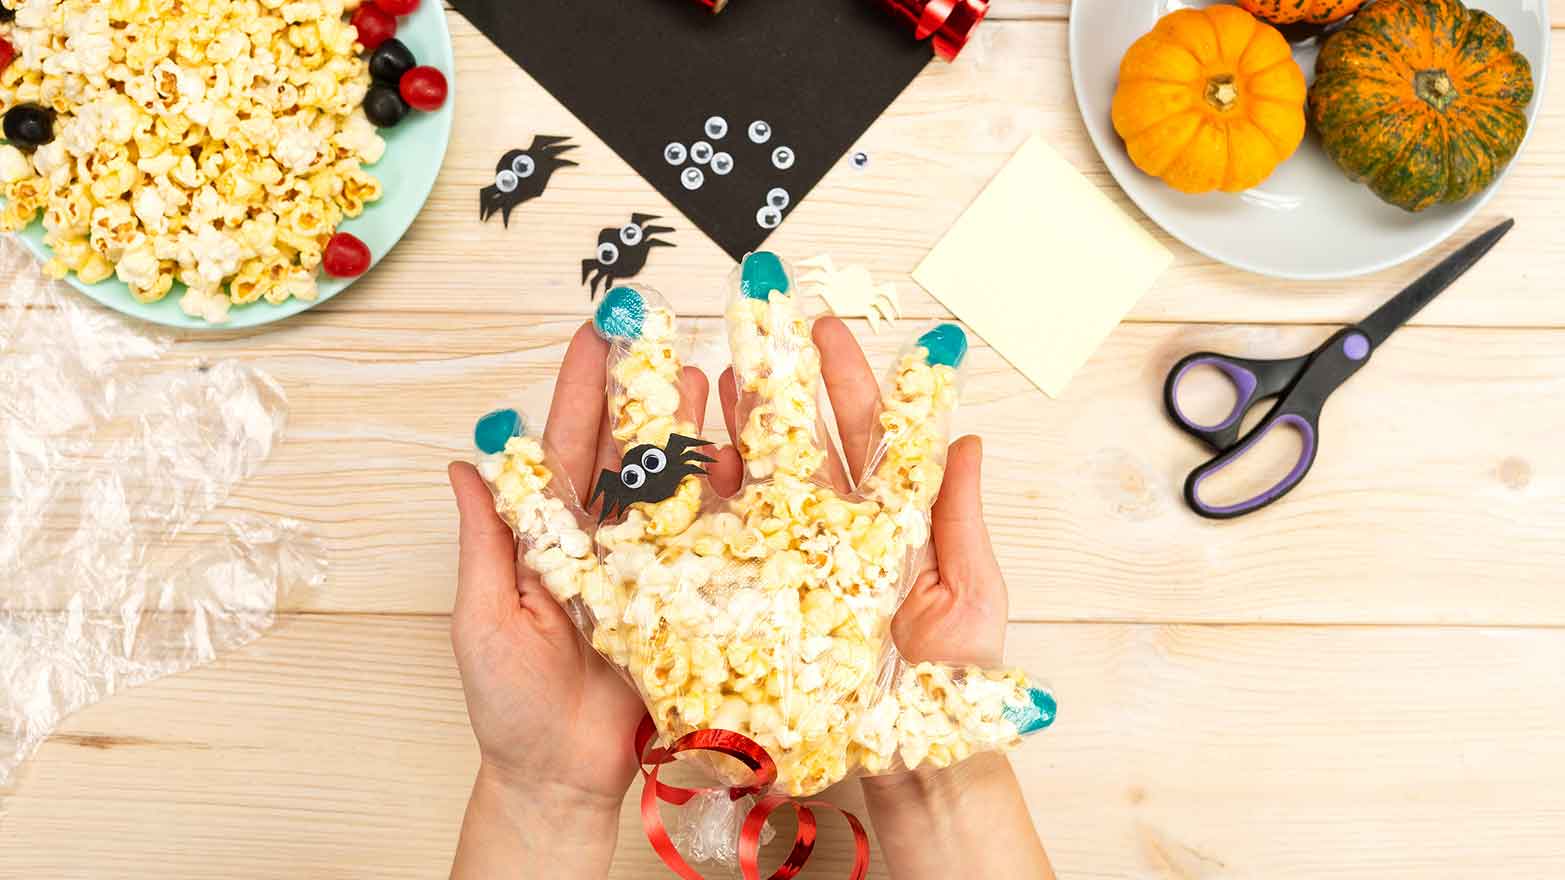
x=339 y=748
x=1438 y=497
x=1366 y=681
x=930 y=155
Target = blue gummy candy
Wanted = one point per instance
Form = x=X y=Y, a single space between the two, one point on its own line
x=1037 y=715
x=762 y=273
x=946 y=344
x=494 y=429
x=620 y=314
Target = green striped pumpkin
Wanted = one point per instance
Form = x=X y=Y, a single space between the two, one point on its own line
x=1424 y=101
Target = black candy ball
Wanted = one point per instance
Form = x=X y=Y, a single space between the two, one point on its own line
x=384 y=105
x=29 y=126
x=390 y=60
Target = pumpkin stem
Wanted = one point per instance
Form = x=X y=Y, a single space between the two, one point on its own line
x=1221 y=92
x=1435 y=88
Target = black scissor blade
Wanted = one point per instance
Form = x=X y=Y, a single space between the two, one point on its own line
x=1402 y=307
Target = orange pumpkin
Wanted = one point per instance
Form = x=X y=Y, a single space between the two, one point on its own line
x=1210 y=99
x=1294 y=11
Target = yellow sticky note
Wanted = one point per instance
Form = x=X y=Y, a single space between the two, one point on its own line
x=1043 y=266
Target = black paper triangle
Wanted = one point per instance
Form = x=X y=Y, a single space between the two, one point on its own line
x=644 y=74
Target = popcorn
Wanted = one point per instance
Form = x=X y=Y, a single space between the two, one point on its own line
x=768 y=613
x=227 y=134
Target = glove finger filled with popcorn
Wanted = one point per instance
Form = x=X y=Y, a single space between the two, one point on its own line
x=766 y=613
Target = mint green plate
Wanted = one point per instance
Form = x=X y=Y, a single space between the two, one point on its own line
x=414 y=152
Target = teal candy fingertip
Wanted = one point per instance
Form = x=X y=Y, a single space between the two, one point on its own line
x=494 y=430
x=620 y=314
x=1036 y=715
x=761 y=274
x=946 y=344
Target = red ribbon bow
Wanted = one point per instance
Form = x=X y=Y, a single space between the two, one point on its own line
x=950 y=22
x=749 y=753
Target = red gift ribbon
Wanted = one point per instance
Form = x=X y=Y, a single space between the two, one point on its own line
x=748 y=752
x=950 y=22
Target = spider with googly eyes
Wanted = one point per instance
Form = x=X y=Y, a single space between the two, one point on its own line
x=622 y=252
x=649 y=474
x=522 y=175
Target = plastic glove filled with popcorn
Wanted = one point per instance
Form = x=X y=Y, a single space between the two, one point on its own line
x=767 y=613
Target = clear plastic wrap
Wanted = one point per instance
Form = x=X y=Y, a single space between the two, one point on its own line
x=767 y=613
x=116 y=453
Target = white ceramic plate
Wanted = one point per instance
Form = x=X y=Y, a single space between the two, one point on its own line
x=1308 y=221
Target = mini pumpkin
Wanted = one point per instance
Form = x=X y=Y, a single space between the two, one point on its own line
x=1210 y=99
x=1425 y=101
x=1294 y=11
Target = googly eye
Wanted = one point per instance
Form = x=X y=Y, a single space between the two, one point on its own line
x=768 y=217
x=633 y=476
x=701 y=152
x=692 y=178
x=505 y=181
x=760 y=132
x=782 y=158
x=860 y=161
x=716 y=128
x=675 y=153
x=608 y=254
x=654 y=461
x=523 y=166
x=630 y=234
x=722 y=163
x=778 y=198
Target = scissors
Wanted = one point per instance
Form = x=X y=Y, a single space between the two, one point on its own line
x=1301 y=385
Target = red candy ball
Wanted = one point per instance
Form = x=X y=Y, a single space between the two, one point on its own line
x=374 y=25
x=424 y=88
x=398 y=7
x=345 y=256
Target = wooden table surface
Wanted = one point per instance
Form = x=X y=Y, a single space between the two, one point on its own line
x=1365 y=681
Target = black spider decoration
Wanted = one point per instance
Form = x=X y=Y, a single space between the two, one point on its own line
x=649 y=474
x=622 y=252
x=522 y=175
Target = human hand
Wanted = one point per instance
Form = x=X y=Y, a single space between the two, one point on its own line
x=554 y=722
x=955 y=613
x=956 y=609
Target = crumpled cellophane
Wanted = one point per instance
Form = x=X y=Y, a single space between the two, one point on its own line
x=768 y=613
x=116 y=450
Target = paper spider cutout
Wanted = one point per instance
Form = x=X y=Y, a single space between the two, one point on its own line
x=622 y=252
x=522 y=175
x=649 y=474
x=852 y=293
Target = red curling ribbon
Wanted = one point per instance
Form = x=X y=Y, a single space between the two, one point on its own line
x=949 y=22
x=748 y=752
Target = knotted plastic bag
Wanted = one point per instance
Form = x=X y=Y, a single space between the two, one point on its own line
x=116 y=453
x=768 y=613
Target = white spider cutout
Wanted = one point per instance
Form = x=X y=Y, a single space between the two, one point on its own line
x=851 y=292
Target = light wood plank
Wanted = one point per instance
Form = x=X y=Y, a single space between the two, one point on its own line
x=1439 y=495
x=339 y=748
x=930 y=154
x=1001 y=10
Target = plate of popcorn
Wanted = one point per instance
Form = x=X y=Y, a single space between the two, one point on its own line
x=219 y=165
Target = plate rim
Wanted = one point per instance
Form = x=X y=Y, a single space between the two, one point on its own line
x=119 y=300
x=1454 y=225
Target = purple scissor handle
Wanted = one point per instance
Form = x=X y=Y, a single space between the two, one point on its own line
x=1301 y=385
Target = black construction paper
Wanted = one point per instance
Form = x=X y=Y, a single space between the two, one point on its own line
x=622 y=252
x=644 y=74
x=522 y=175
x=649 y=474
